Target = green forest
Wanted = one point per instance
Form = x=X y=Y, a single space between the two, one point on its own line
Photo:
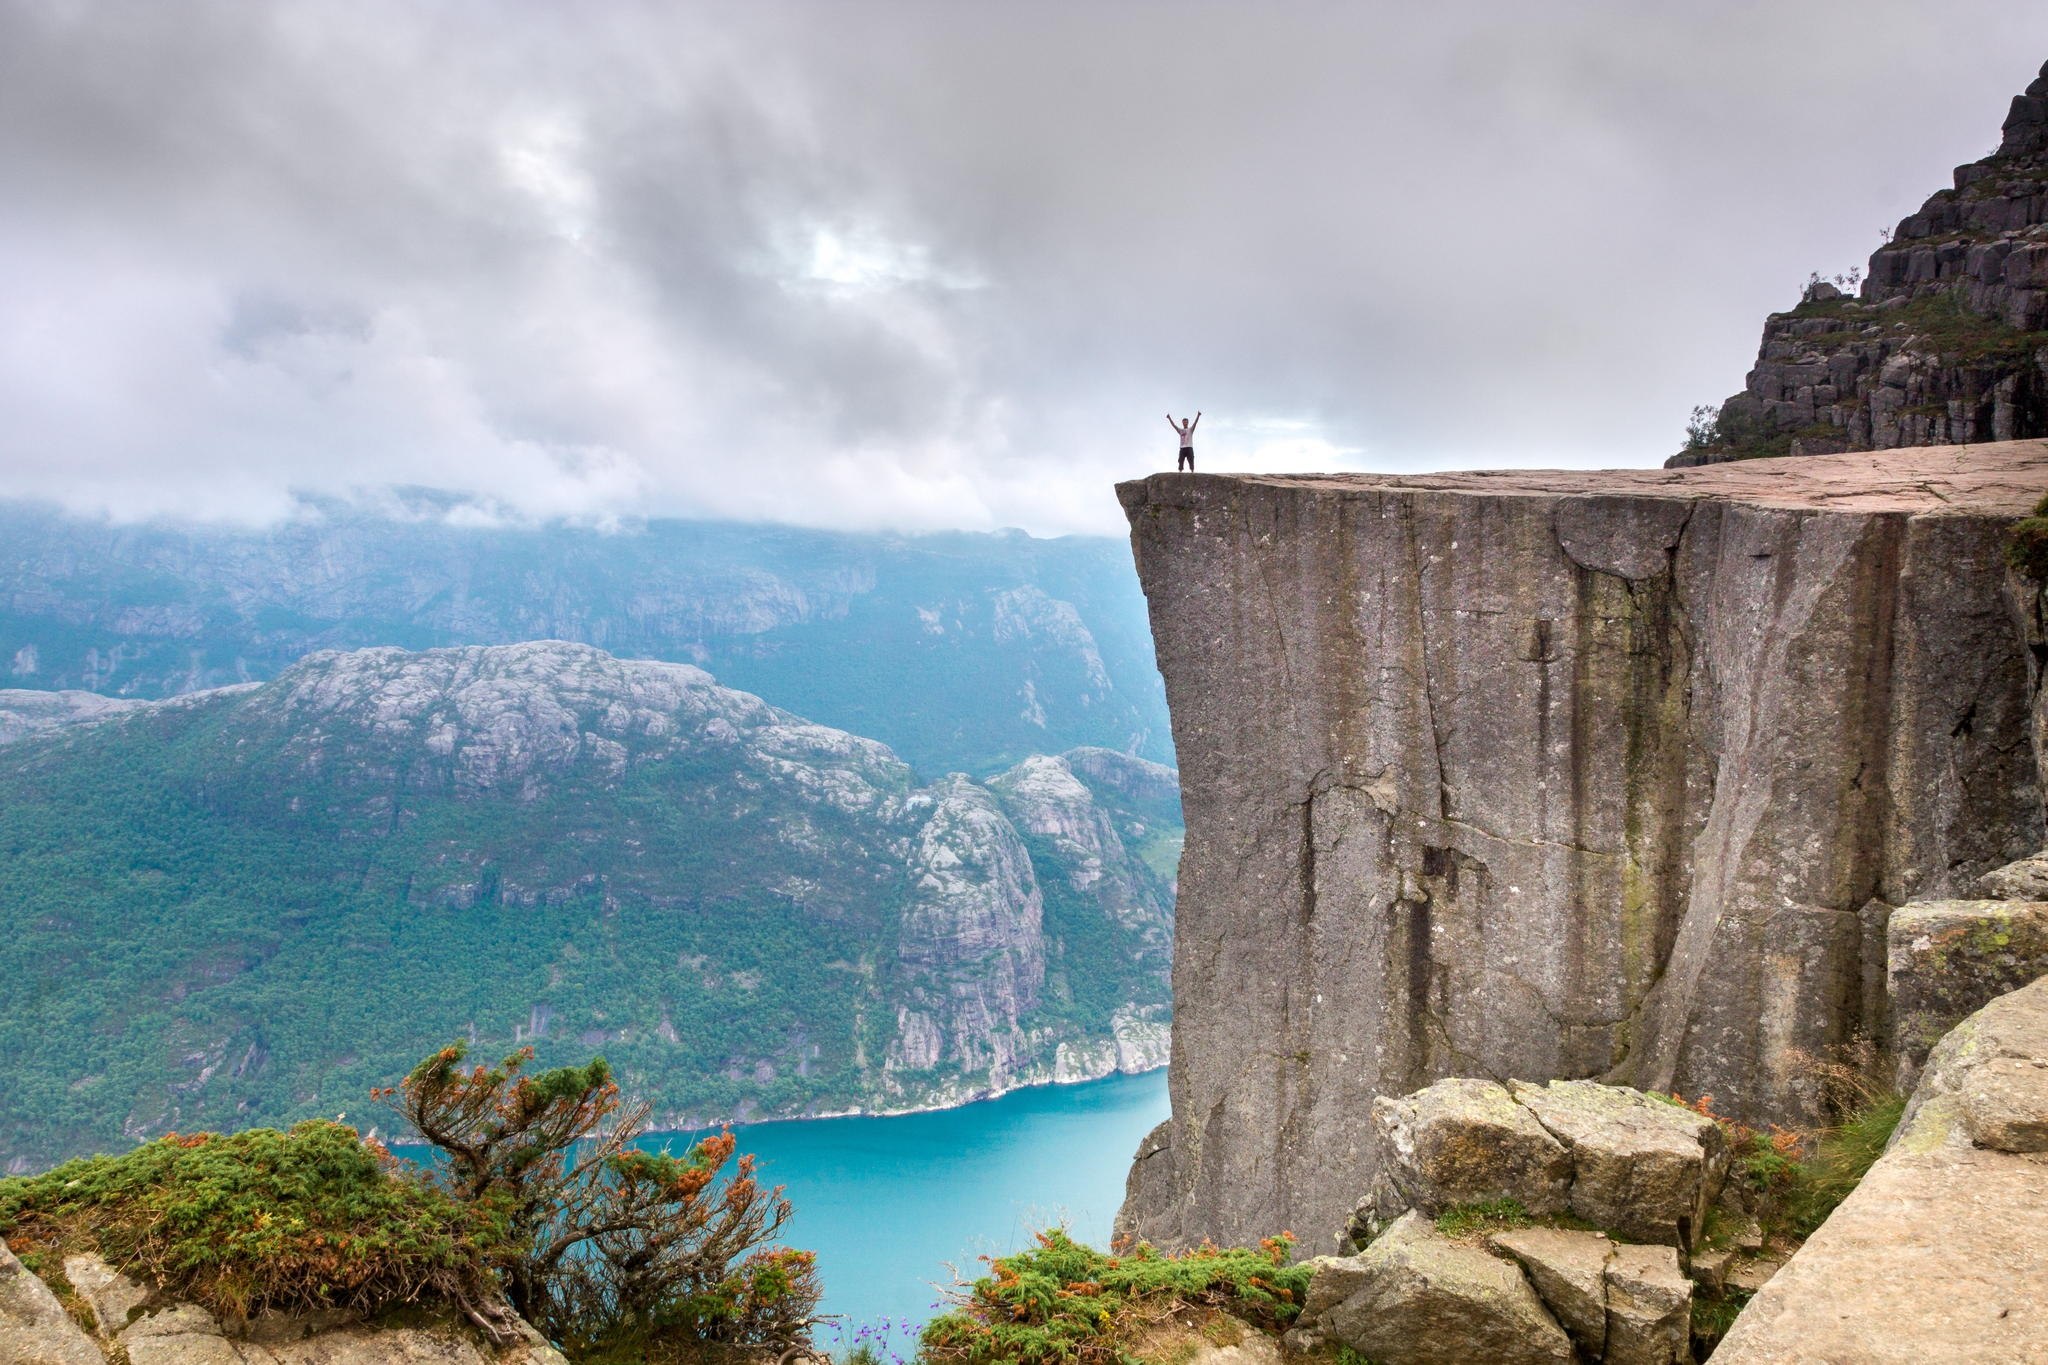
x=228 y=912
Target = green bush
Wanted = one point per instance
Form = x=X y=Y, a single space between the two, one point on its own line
x=262 y=1220
x=2027 y=547
x=1063 y=1303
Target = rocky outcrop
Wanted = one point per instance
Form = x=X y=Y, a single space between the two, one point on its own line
x=120 y=1322
x=1947 y=341
x=1594 y=1193
x=1416 y=1297
x=1938 y=1253
x=1559 y=775
x=34 y=1328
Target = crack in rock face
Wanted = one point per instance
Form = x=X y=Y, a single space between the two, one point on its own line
x=1606 y=775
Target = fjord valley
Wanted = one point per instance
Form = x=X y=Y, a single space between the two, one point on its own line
x=252 y=905
x=959 y=651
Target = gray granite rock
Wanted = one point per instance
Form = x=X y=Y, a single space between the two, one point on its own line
x=1461 y=1141
x=1643 y=1169
x=1569 y=1270
x=1938 y=1253
x=1567 y=774
x=1414 y=1297
x=34 y=1328
x=1946 y=959
x=1649 y=1308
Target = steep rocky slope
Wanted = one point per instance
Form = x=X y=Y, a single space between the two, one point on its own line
x=252 y=905
x=1567 y=774
x=1947 y=340
x=958 y=650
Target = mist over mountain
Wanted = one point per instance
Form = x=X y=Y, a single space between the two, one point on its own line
x=960 y=651
x=251 y=905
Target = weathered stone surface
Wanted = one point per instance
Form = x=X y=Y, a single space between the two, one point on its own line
x=1945 y=343
x=1643 y=1169
x=1938 y=1253
x=2025 y=879
x=1569 y=1270
x=1461 y=1140
x=1649 y=1308
x=1464 y=797
x=34 y=1329
x=1946 y=959
x=112 y=1296
x=1414 y=1297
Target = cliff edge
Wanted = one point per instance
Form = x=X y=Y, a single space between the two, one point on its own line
x=1560 y=774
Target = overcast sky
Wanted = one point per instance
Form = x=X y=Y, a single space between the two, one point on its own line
x=874 y=264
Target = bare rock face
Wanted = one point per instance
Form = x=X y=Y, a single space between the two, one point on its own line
x=34 y=1328
x=1946 y=959
x=1588 y=775
x=1938 y=1253
x=1415 y=1297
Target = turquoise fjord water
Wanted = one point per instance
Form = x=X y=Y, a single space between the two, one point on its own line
x=889 y=1203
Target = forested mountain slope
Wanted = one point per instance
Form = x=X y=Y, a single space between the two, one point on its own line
x=960 y=651
x=251 y=905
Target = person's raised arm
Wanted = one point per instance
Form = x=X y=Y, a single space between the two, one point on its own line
x=1170 y=422
x=1197 y=422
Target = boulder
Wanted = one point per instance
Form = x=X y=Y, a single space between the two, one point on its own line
x=34 y=1328
x=1643 y=1169
x=2024 y=880
x=1462 y=1141
x=1415 y=1297
x=1945 y=959
x=1569 y=1270
x=1649 y=1308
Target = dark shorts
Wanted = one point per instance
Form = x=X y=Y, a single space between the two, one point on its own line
x=1187 y=457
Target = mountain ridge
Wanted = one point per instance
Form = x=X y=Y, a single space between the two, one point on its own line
x=278 y=895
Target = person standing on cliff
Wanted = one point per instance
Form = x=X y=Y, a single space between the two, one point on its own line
x=1187 y=441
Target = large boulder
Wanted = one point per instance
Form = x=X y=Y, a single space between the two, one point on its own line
x=1946 y=959
x=1415 y=1297
x=1462 y=1141
x=34 y=1328
x=1643 y=1169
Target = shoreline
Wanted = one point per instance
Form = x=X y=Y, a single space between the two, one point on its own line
x=664 y=1127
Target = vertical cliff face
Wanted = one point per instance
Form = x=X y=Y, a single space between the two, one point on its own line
x=1558 y=775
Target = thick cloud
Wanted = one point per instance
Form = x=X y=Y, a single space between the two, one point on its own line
x=922 y=264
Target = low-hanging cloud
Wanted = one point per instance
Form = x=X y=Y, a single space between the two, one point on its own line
x=921 y=264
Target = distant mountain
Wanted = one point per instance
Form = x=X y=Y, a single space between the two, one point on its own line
x=962 y=652
x=251 y=905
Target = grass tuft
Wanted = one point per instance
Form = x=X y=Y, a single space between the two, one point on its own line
x=1063 y=1303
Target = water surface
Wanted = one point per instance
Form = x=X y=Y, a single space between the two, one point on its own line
x=889 y=1203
